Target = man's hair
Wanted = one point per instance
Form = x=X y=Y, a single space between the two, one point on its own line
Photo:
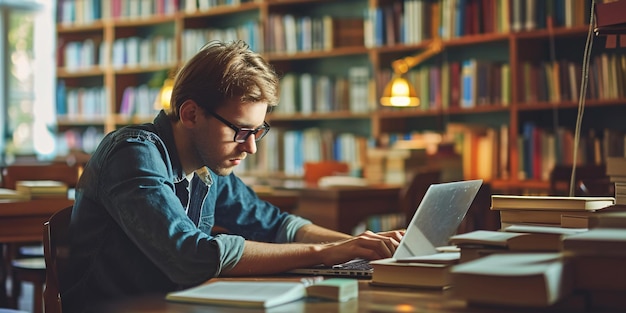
x=224 y=71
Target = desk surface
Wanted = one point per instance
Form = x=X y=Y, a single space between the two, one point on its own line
x=371 y=299
x=22 y=220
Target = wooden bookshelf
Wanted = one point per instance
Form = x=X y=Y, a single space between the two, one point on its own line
x=490 y=39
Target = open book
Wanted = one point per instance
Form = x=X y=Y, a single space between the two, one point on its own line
x=254 y=294
x=265 y=294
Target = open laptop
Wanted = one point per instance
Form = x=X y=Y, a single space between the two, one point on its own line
x=437 y=217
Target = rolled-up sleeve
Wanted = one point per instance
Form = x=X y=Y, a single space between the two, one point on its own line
x=288 y=229
x=231 y=246
x=230 y=251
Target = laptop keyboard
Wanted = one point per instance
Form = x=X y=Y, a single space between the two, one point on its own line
x=356 y=264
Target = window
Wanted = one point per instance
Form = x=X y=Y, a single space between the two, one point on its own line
x=27 y=67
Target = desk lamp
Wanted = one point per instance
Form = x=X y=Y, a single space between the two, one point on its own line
x=399 y=92
x=609 y=20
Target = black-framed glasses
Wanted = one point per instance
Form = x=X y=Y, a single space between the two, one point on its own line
x=242 y=134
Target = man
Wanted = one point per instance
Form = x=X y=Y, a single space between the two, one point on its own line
x=132 y=234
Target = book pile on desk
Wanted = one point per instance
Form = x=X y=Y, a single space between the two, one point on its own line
x=428 y=271
x=550 y=210
x=599 y=263
x=587 y=272
x=42 y=188
x=10 y=194
x=518 y=238
x=616 y=170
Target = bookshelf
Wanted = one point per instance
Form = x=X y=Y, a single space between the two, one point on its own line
x=331 y=80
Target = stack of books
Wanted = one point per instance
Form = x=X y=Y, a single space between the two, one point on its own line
x=512 y=239
x=428 y=271
x=616 y=170
x=42 y=188
x=549 y=210
x=10 y=194
x=598 y=257
x=522 y=280
x=393 y=166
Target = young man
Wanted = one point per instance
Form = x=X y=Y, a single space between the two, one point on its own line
x=132 y=234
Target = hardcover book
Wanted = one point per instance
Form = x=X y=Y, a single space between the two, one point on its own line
x=430 y=271
x=509 y=240
x=512 y=202
x=519 y=279
x=42 y=188
x=253 y=294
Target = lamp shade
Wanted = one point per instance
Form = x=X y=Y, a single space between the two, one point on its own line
x=399 y=93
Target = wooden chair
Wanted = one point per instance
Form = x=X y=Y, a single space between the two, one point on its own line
x=56 y=251
x=32 y=268
x=68 y=174
x=479 y=215
x=413 y=192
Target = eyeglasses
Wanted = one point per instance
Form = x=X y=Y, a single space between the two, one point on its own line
x=242 y=134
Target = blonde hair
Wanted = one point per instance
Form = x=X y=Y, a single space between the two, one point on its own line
x=224 y=71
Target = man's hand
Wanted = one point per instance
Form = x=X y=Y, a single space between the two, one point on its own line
x=368 y=245
x=319 y=246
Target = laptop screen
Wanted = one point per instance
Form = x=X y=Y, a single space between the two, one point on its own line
x=437 y=217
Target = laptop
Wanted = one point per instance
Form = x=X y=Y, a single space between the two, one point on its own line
x=436 y=219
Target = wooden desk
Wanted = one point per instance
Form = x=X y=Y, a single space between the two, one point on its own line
x=22 y=221
x=343 y=208
x=371 y=299
x=286 y=200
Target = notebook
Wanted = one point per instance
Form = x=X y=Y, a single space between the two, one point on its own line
x=436 y=219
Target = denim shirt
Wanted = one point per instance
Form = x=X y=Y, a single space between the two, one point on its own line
x=130 y=234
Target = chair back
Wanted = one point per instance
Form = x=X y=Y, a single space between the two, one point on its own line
x=56 y=253
x=63 y=172
x=412 y=193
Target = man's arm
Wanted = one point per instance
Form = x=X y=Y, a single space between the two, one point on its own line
x=267 y=258
x=312 y=233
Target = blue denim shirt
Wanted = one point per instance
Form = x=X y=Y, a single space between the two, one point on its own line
x=130 y=234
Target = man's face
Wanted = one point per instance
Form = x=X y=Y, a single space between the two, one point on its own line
x=213 y=139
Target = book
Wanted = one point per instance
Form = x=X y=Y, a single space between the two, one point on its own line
x=510 y=240
x=520 y=279
x=430 y=271
x=574 y=221
x=267 y=294
x=337 y=289
x=608 y=217
x=447 y=255
x=597 y=241
x=473 y=252
x=512 y=202
x=616 y=166
x=608 y=220
x=541 y=229
x=548 y=217
x=554 y=217
x=253 y=294
x=10 y=194
x=42 y=188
